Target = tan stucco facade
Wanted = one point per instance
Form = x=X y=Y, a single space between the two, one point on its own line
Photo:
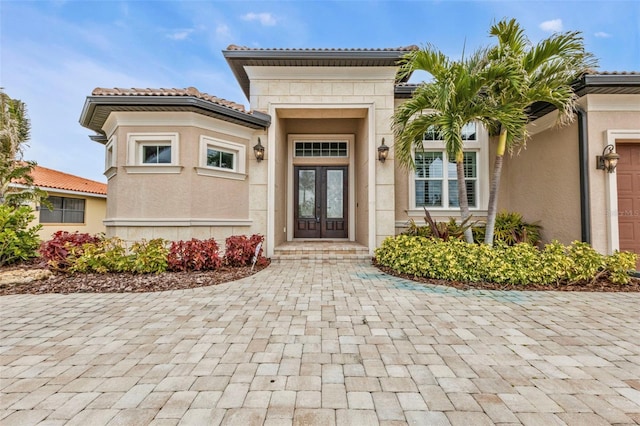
x=347 y=97
x=180 y=201
x=543 y=181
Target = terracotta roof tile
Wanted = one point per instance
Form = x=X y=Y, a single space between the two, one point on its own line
x=48 y=178
x=189 y=91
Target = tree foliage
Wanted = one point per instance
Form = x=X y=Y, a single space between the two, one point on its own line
x=16 y=183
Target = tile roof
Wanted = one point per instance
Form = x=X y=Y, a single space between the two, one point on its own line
x=386 y=49
x=189 y=91
x=49 y=178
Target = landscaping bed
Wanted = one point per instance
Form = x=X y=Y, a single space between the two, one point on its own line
x=598 y=285
x=120 y=282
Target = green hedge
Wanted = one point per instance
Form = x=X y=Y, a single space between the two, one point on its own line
x=456 y=260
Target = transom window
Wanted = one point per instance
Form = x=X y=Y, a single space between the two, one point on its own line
x=436 y=183
x=65 y=210
x=468 y=133
x=321 y=149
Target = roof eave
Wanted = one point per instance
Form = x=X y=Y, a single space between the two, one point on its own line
x=238 y=59
x=112 y=103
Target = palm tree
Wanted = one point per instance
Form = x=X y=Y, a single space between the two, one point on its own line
x=543 y=73
x=14 y=134
x=457 y=95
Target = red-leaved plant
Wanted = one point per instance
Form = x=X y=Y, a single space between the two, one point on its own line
x=240 y=250
x=57 y=249
x=194 y=255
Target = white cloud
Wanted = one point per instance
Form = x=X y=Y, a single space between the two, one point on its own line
x=553 y=25
x=264 y=18
x=602 y=34
x=180 y=34
x=222 y=30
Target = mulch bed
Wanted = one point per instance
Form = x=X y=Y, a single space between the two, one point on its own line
x=136 y=283
x=125 y=282
x=600 y=285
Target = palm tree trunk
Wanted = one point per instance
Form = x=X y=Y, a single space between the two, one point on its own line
x=462 y=196
x=495 y=186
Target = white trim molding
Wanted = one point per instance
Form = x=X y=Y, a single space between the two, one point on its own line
x=182 y=222
x=611 y=188
x=135 y=142
x=239 y=152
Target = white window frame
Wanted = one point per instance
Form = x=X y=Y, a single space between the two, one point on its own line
x=481 y=147
x=137 y=141
x=239 y=151
x=110 y=157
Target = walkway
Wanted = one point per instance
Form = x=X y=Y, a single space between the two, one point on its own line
x=307 y=344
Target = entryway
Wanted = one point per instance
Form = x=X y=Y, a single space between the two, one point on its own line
x=628 y=180
x=321 y=208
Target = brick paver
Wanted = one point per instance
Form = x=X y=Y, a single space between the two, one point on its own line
x=309 y=343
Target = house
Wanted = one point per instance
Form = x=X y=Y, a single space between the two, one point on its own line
x=78 y=204
x=305 y=162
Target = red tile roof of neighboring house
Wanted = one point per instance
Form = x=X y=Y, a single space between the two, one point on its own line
x=48 y=178
x=189 y=91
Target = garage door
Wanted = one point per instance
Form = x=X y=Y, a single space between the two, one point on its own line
x=628 y=172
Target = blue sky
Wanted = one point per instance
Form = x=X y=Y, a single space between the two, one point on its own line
x=54 y=53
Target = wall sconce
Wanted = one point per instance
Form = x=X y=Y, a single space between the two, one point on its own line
x=383 y=152
x=608 y=160
x=258 y=150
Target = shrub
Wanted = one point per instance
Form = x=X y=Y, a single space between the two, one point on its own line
x=522 y=263
x=511 y=228
x=18 y=241
x=194 y=255
x=149 y=256
x=57 y=249
x=112 y=255
x=240 y=249
x=108 y=255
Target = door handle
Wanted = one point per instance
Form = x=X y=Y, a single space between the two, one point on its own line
x=317 y=219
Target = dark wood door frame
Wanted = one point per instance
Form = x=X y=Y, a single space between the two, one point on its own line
x=313 y=221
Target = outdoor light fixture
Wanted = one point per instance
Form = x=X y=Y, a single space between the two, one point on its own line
x=258 y=150
x=383 y=152
x=608 y=160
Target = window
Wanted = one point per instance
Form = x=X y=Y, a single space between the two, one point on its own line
x=156 y=154
x=434 y=182
x=434 y=189
x=220 y=158
x=469 y=133
x=321 y=149
x=153 y=153
x=110 y=157
x=65 y=210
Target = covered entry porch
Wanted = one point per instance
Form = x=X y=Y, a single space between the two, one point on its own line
x=321 y=176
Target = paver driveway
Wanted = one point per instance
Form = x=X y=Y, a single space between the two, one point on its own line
x=310 y=344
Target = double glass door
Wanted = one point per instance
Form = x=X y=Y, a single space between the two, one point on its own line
x=321 y=205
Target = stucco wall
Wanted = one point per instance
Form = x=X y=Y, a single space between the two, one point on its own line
x=187 y=204
x=542 y=183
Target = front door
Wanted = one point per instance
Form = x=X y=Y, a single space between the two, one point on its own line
x=321 y=202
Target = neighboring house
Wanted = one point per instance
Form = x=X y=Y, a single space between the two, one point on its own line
x=183 y=164
x=78 y=204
